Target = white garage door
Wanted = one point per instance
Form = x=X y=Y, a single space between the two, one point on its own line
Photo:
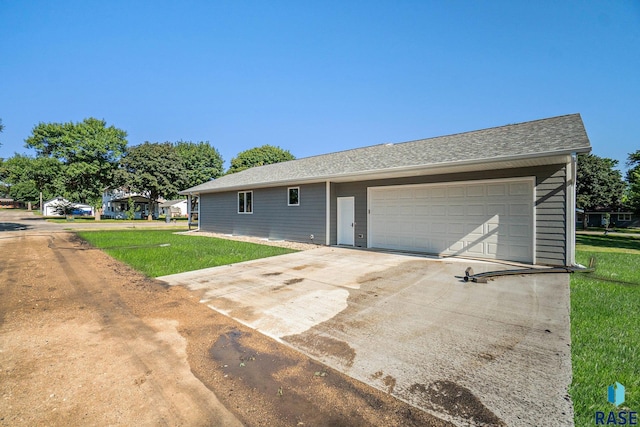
x=485 y=219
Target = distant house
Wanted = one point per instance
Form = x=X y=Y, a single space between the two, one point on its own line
x=9 y=203
x=174 y=208
x=49 y=208
x=621 y=219
x=505 y=193
x=115 y=204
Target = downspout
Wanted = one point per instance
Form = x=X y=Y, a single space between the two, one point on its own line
x=327 y=220
x=571 y=210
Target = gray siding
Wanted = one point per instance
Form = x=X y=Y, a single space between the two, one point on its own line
x=550 y=204
x=271 y=218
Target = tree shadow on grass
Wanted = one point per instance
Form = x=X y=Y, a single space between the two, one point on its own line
x=609 y=241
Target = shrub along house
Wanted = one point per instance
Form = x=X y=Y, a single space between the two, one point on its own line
x=503 y=193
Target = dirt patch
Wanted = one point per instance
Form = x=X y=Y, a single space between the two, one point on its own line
x=86 y=340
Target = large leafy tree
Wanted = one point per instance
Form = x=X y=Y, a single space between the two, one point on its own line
x=633 y=179
x=26 y=177
x=259 y=156
x=599 y=184
x=152 y=169
x=89 y=151
x=201 y=162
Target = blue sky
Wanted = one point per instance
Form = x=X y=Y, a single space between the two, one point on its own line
x=319 y=76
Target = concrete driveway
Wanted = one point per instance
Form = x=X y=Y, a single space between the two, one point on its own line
x=475 y=354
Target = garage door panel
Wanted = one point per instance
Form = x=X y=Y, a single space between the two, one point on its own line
x=475 y=191
x=519 y=209
x=488 y=219
x=519 y=231
x=496 y=190
x=456 y=229
x=438 y=210
x=496 y=209
x=519 y=189
x=437 y=192
x=455 y=192
x=476 y=210
x=473 y=248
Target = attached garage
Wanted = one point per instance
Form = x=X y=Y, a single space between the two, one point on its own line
x=505 y=193
x=486 y=219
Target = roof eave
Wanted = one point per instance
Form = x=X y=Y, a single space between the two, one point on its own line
x=390 y=172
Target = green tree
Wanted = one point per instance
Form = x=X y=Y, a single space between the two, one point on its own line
x=259 y=156
x=1 y=129
x=153 y=170
x=633 y=180
x=89 y=151
x=201 y=162
x=598 y=185
x=26 y=177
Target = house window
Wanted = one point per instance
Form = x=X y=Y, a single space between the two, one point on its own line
x=624 y=217
x=294 y=196
x=245 y=202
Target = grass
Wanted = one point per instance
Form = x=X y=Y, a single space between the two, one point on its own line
x=120 y=221
x=161 y=252
x=633 y=230
x=605 y=325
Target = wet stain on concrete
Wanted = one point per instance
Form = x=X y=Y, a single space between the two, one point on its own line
x=322 y=346
x=276 y=273
x=486 y=356
x=388 y=381
x=287 y=283
x=455 y=400
x=405 y=269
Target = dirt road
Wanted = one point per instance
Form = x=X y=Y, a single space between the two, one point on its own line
x=84 y=340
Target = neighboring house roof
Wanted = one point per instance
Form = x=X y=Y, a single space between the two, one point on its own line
x=56 y=199
x=170 y=203
x=136 y=198
x=554 y=136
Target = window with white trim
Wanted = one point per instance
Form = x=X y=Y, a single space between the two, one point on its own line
x=293 y=196
x=624 y=217
x=245 y=202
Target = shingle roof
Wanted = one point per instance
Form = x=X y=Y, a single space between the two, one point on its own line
x=552 y=136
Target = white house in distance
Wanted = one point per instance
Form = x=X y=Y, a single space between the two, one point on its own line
x=174 y=208
x=49 y=207
x=115 y=204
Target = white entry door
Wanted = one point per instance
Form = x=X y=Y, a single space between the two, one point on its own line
x=346 y=221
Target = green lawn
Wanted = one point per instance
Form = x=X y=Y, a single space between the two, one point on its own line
x=605 y=325
x=161 y=252
x=91 y=219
